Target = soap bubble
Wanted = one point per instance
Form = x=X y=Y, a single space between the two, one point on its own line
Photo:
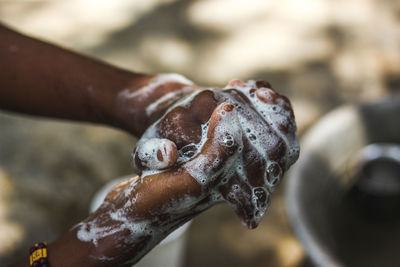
x=260 y=194
x=188 y=151
x=228 y=141
x=274 y=173
x=252 y=137
x=261 y=198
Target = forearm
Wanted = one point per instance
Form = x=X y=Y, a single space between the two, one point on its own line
x=66 y=251
x=42 y=79
x=119 y=234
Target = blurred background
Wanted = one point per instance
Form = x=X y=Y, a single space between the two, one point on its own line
x=322 y=54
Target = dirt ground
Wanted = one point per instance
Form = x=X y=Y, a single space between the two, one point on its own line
x=320 y=53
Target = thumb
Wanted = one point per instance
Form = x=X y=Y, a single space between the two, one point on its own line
x=154 y=154
x=223 y=140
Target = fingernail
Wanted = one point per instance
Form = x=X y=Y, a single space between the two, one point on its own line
x=234 y=83
x=262 y=83
x=228 y=107
x=266 y=95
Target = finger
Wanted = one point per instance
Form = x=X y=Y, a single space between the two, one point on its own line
x=249 y=203
x=203 y=105
x=182 y=124
x=218 y=152
x=154 y=154
x=116 y=191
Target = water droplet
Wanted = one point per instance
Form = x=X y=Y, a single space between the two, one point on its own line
x=189 y=150
x=260 y=194
x=252 y=137
x=274 y=173
x=228 y=141
x=274 y=108
x=274 y=169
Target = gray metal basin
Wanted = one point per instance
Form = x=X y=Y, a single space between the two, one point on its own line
x=335 y=225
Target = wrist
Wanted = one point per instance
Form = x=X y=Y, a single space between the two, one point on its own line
x=144 y=100
x=105 y=98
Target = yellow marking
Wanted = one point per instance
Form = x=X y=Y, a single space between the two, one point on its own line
x=38 y=254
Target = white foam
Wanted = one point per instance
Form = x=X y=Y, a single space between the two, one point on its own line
x=92 y=232
x=147 y=151
x=273 y=114
x=166 y=100
x=154 y=83
x=132 y=185
x=227 y=133
x=260 y=126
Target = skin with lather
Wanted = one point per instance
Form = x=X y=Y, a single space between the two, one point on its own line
x=199 y=146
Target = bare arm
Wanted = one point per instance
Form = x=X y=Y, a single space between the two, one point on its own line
x=49 y=81
x=137 y=214
x=39 y=78
x=114 y=243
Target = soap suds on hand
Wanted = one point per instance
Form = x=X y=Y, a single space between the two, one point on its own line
x=262 y=126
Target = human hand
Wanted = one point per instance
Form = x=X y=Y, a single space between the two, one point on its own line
x=144 y=210
x=227 y=164
x=144 y=99
x=268 y=136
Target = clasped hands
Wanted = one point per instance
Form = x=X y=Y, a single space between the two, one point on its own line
x=198 y=147
x=211 y=145
x=233 y=143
